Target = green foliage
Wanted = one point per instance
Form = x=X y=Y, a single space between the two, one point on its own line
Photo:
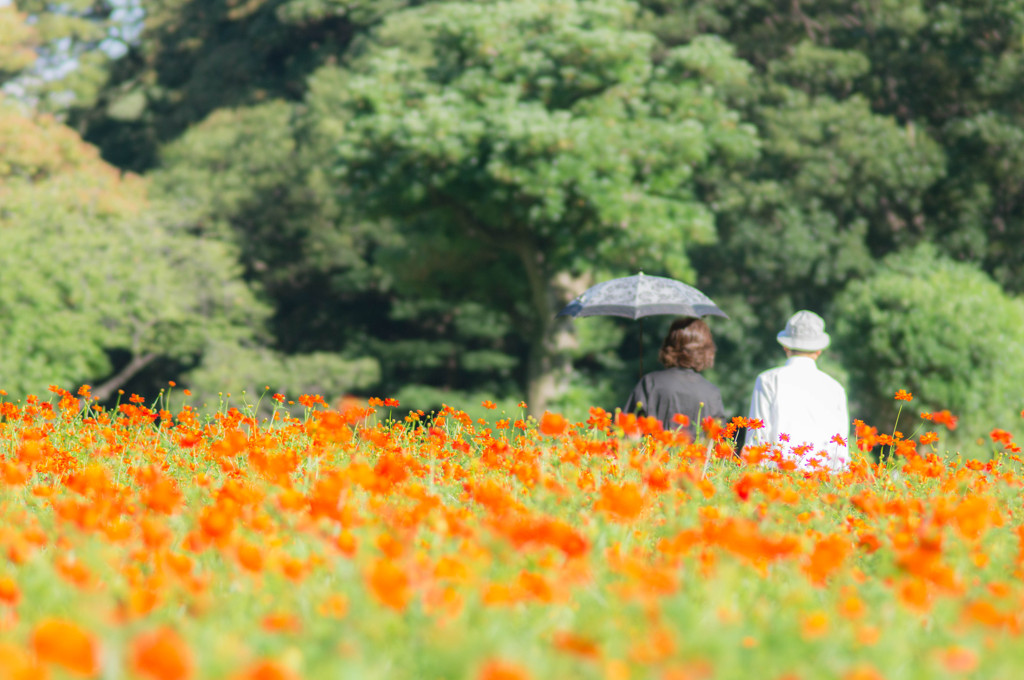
x=247 y=176
x=883 y=125
x=441 y=350
x=16 y=41
x=452 y=172
x=89 y=270
x=940 y=329
x=543 y=138
x=193 y=58
x=359 y=12
x=946 y=72
x=835 y=186
x=230 y=372
x=73 y=32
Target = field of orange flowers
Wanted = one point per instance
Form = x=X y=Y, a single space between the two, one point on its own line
x=358 y=541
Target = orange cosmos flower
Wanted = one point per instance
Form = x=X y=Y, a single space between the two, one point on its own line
x=814 y=625
x=959 y=659
x=535 y=586
x=335 y=606
x=868 y=635
x=502 y=670
x=681 y=419
x=712 y=428
x=1001 y=437
x=657 y=646
x=942 y=418
x=828 y=555
x=601 y=419
x=267 y=670
x=161 y=493
x=14 y=474
x=623 y=502
x=986 y=614
x=250 y=557
x=553 y=424
x=657 y=478
x=281 y=622
x=390 y=546
x=346 y=543
x=389 y=583
x=749 y=482
x=74 y=571
x=17 y=664
x=863 y=673
x=451 y=569
x=9 y=593
x=852 y=607
x=903 y=395
x=975 y=516
x=161 y=655
x=66 y=644
x=577 y=645
x=649 y=425
x=915 y=595
x=215 y=522
x=30 y=450
x=627 y=423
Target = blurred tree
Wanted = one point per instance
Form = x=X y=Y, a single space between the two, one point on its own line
x=885 y=124
x=17 y=40
x=87 y=272
x=541 y=141
x=940 y=329
x=835 y=187
x=104 y=285
x=250 y=177
x=74 y=43
x=255 y=177
x=184 y=59
x=837 y=183
x=882 y=124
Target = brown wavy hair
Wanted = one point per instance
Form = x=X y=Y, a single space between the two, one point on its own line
x=688 y=345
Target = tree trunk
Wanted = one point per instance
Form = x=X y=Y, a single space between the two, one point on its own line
x=546 y=374
x=138 y=362
x=548 y=366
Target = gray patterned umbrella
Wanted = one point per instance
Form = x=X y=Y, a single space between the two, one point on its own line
x=637 y=296
x=640 y=295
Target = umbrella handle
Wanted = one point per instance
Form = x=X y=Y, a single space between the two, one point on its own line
x=641 y=326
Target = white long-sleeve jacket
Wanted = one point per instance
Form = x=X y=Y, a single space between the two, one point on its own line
x=803 y=409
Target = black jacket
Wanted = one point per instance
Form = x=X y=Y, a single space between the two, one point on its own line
x=663 y=394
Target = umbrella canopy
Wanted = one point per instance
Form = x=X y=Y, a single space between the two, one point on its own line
x=640 y=295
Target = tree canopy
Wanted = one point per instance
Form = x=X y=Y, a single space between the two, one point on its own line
x=403 y=193
x=541 y=139
x=94 y=285
x=940 y=329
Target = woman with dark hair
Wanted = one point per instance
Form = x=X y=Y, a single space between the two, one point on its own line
x=687 y=350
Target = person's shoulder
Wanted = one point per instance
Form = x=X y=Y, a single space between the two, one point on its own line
x=701 y=378
x=703 y=386
x=654 y=378
x=832 y=382
x=771 y=373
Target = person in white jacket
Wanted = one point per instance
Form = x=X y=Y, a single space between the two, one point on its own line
x=803 y=409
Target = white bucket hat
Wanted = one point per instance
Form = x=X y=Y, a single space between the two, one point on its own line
x=805 y=332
